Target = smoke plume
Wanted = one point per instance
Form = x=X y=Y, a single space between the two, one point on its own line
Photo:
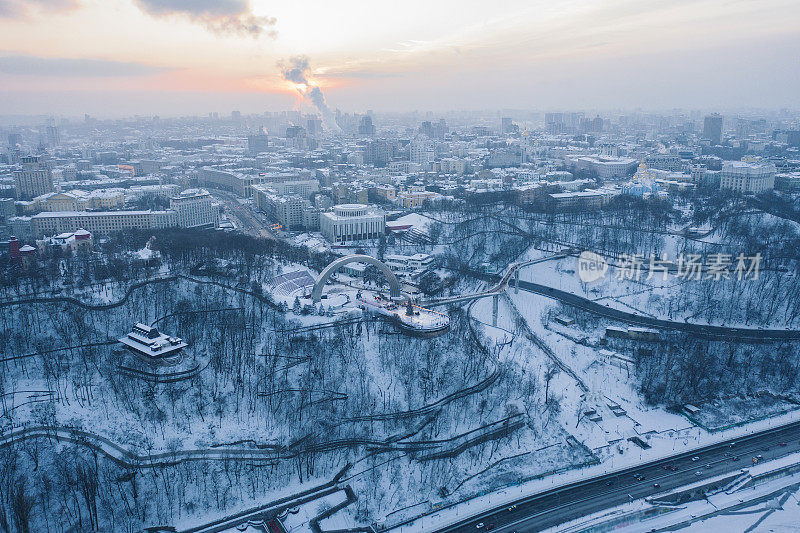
x=223 y=17
x=296 y=71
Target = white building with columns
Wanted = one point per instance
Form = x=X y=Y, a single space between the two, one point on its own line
x=747 y=176
x=352 y=222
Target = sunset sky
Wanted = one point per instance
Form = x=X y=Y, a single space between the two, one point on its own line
x=118 y=57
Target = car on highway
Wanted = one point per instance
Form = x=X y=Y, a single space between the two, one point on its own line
x=512 y=508
x=695 y=459
x=656 y=485
x=698 y=473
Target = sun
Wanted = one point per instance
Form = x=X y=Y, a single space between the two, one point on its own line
x=302 y=88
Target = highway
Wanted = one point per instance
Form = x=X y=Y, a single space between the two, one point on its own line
x=247 y=219
x=720 y=332
x=702 y=330
x=579 y=499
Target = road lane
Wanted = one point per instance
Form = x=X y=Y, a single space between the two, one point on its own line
x=582 y=498
x=721 y=332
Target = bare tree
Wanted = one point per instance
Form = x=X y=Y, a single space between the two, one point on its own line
x=21 y=507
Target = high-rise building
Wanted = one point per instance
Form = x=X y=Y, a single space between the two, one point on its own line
x=53 y=136
x=426 y=128
x=379 y=152
x=34 y=179
x=712 y=128
x=195 y=209
x=314 y=126
x=439 y=129
x=257 y=143
x=293 y=132
x=366 y=127
x=422 y=152
x=14 y=139
x=554 y=122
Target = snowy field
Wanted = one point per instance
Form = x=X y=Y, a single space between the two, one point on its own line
x=286 y=396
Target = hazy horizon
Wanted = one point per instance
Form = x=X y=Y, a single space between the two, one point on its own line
x=174 y=57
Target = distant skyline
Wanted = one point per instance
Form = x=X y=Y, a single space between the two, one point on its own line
x=172 y=57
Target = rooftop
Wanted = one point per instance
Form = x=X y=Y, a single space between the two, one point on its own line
x=60 y=214
x=148 y=341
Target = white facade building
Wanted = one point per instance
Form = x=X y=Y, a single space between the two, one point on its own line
x=409 y=264
x=34 y=179
x=292 y=211
x=747 y=176
x=304 y=188
x=78 y=200
x=97 y=222
x=352 y=222
x=604 y=167
x=451 y=165
x=151 y=343
x=195 y=208
x=421 y=152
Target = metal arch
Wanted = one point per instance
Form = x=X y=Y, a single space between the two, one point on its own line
x=394 y=285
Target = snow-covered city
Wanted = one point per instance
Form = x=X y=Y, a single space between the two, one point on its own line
x=438 y=267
